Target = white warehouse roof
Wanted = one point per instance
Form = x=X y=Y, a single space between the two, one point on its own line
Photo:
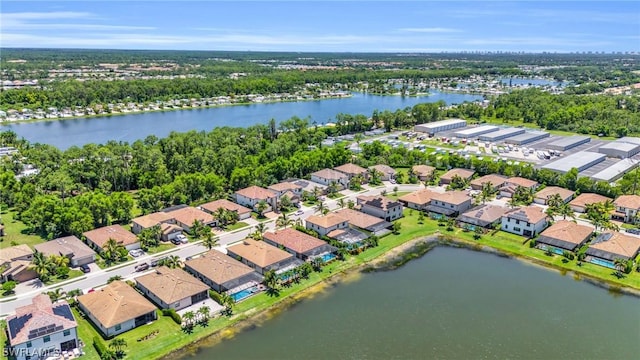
x=580 y=160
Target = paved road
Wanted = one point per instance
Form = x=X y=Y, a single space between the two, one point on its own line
x=99 y=277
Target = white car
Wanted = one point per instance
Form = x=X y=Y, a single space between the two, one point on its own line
x=136 y=252
x=182 y=239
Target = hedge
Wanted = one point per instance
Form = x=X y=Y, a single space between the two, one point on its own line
x=100 y=347
x=173 y=314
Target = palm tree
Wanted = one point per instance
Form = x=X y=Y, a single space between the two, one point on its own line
x=112 y=250
x=261 y=206
x=565 y=210
x=228 y=302
x=210 y=240
x=272 y=282
x=198 y=230
x=285 y=203
x=118 y=344
x=321 y=207
x=171 y=261
x=341 y=203
x=283 y=221
x=56 y=295
x=351 y=204
x=221 y=215
x=317 y=192
x=204 y=313
x=261 y=228
x=188 y=317
x=41 y=265
x=487 y=193
x=332 y=189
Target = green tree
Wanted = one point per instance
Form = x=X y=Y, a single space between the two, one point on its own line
x=210 y=241
x=8 y=287
x=261 y=207
x=397 y=226
x=283 y=221
x=198 y=230
x=112 y=250
x=118 y=344
x=272 y=282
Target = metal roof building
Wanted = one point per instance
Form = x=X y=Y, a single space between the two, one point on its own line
x=527 y=137
x=476 y=131
x=437 y=126
x=566 y=143
x=620 y=149
x=616 y=171
x=501 y=134
x=580 y=160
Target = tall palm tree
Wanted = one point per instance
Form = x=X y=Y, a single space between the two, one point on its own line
x=317 y=192
x=342 y=203
x=261 y=207
x=204 y=313
x=272 y=281
x=283 y=221
x=111 y=250
x=210 y=240
x=56 y=294
x=118 y=344
x=321 y=207
x=198 y=230
x=189 y=317
x=171 y=261
x=220 y=214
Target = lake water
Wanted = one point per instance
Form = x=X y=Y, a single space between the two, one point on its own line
x=131 y=127
x=450 y=304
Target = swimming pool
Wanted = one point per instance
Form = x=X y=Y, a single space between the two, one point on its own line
x=601 y=262
x=328 y=257
x=243 y=294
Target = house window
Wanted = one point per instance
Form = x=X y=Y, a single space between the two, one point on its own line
x=46 y=338
x=28 y=344
x=517 y=222
x=118 y=327
x=516 y=229
x=66 y=333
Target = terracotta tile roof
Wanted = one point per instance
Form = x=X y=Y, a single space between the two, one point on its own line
x=495 y=180
x=294 y=240
x=171 y=285
x=420 y=197
x=187 y=215
x=487 y=213
x=284 y=186
x=628 y=201
x=617 y=243
x=452 y=197
x=153 y=219
x=549 y=191
x=259 y=252
x=290 y=195
x=15 y=252
x=379 y=202
x=585 y=199
x=325 y=221
x=359 y=219
x=518 y=181
x=40 y=315
x=350 y=169
x=66 y=246
x=256 y=192
x=329 y=174
x=101 y=235
x=335 y=233
x=115 y=303
x=422 y=170
x=385 y=169
x=213 y=206
x=463 y=173
x=568 y=231
x=167 y=229
x=531 y=214
x=218 y=267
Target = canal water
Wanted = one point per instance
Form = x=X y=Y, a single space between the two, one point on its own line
x=131 y=127
x=450 y=304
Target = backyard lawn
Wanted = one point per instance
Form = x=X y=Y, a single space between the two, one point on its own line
x=14 y=231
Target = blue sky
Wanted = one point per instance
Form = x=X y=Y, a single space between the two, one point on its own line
x=367 y=26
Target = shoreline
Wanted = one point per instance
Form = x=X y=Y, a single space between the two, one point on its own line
x=389 y=261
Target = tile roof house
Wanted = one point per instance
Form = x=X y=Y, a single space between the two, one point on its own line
x=325 y=224
x=15 y=262
x=220 y=271
x=450 y=203
x=483 y=216
x=627 y=207
x=284 y=187
x=364 y=221
x=465 y=174
x=352 y=170
x=328 y=176
x=98 y=237
x=387 y=171
x=172 y=288
x=70 y=246
x=579 y=204
x=213 y=206
x=261 y=256
x=418 y=200
x=509 y=187
x=301 y=245
x=497 y=181
x=309 y=186
x=543 y=195
x=150 y=220
x=42 y=326
x=423 y=172
x=251 y=196
x=169 y=232
x=187 y=215
x=380 y=206
x=611 y=245
x=116 y=308
x=564 y=235
x=527 y=221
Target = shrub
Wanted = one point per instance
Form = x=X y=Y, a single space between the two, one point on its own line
x=173 y=314
x=215 y=296
x=100 y=347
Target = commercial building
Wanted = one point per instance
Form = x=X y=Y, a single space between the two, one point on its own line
x=474 y=132
x=566 y=143
x=581 y=160
x=527 y=137
x=443 y=125
x=619 y=149
x=616 y=171
x=501 y=134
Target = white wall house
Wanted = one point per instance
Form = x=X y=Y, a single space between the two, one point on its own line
x=381 y=207
x=527 y=221
x=326 y=224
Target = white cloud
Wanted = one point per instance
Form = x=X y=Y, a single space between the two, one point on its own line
x=430 y=30
x=39 y=21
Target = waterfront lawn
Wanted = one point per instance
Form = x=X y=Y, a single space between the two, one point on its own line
x=16 y=231
x=236 y=226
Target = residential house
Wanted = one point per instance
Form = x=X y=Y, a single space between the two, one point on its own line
x=527 y=221
x=328 y=176
x=352 y=238
x=284 y=187
x=214 y=206
x=612 y=245
x=465 y=174
x=261 y=256
x=496 y=181
x=484 y=216
x=251 y=196
x=579 y=204
x=563 y=236
x=509 y=187
x=301 y=245
x=386 y=172
x=117 y=308
x=169 y=232
x=353 y=170
x=423 y=172
x=150 y=220
x=380 y=206
x=42 y=329
x=71 y=247
x=187 y=215
x=15 y=263
x=221 y=272
x=450 y=203
x=418 y=200
x=98 y=237
x=172 y=288
x=627 y=208
x=325 y=224
x=364 y=221
x=545 y=194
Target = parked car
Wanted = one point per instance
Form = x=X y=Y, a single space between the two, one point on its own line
x=136 y=252
x=299 y=212
x=142 y=267
x=633 y=231
x=85 y=268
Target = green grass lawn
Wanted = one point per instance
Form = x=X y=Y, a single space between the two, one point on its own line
x=3 y=339
x=236 y=226
x=395 y=196
x=15 y=232
x=258 y=218
x=164 y=246
x=337 y=195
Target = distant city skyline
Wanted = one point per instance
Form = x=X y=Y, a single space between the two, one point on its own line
x=330 y=26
